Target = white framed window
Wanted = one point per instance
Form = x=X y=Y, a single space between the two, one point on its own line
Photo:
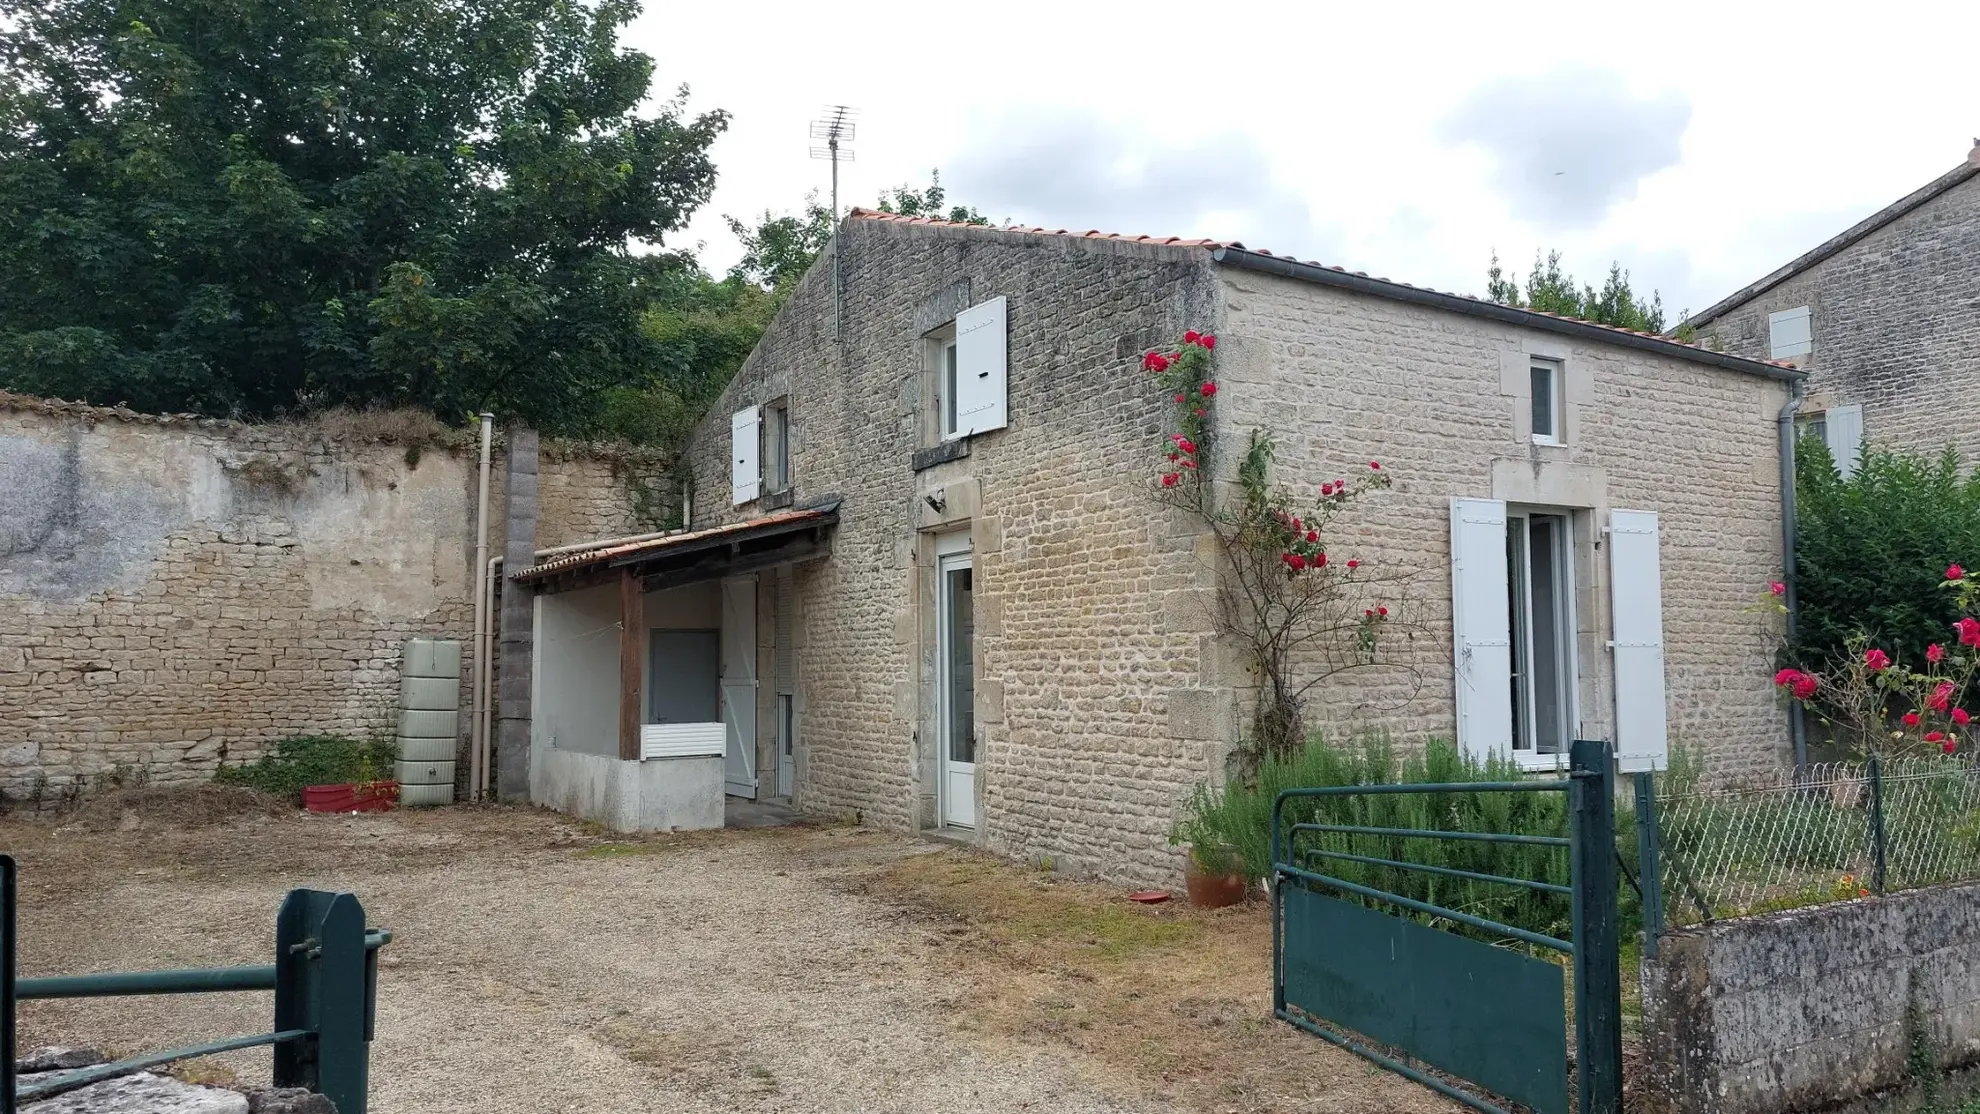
x=1790 y=333
x=777 y=446
x=1545 y=377
x=1540 y=592
x=945 y=388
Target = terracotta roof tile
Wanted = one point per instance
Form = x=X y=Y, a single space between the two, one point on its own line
x=608 y=553
x=1233 y=245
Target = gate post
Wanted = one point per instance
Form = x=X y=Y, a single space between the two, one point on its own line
x=1649 y=860
x=1597 y=952
x=7 y=1050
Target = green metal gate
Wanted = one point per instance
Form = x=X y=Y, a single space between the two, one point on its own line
x=1378 y=973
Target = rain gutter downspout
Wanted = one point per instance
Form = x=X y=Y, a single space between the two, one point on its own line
x=478 y=720
x=1797 y=721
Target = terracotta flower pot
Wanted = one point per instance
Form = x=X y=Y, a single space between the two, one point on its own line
x=370 y=796
x=1211 y=890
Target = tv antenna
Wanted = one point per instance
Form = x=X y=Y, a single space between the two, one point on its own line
x=836 y=129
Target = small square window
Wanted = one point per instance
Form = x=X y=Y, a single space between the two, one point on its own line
x=1546 y=383
x=777 y=446
x=1814 y=425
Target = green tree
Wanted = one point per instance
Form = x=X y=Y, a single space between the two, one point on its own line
x=910 y=202
x=1549 y=289
x=779 y=249
x=258 y=206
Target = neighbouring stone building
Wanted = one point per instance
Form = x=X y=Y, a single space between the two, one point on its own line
x=1885 y=317
x=929 y=584
x=176 y=589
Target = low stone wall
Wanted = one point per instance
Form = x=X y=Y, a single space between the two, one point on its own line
x=1812 y=1008
x=177 y=590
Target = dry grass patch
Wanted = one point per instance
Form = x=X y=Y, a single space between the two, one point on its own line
x=1161 y=999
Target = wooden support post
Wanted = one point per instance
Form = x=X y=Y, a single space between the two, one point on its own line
x=632 y=629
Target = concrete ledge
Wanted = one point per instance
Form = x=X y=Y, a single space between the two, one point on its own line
x=662 y=795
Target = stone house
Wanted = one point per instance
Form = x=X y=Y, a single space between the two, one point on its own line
x=1884 y=317
x=927 y=582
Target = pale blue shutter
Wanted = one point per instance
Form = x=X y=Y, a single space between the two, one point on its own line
x=745 y=470
x=1481 y=627
x=981 y=369
x=1637 y=646
x=1843 y=427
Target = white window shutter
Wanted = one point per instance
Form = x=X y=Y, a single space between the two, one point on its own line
x=746 y=465
x=1843 y=425
x=1637 y=603
x=1481 y=627
x=1790 y=333
x=981 y=368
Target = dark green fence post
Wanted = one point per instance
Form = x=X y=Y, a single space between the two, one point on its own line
x=1649 y=860
x=1877 y=841
x=324 y=983
x=1597 y=950
x=7 y=1049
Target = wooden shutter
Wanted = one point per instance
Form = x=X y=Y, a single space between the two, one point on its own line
x=1843 y=428
x=1789 y=333
x=746 y=466
x=1637 y=641
x=981 y=368
x=1481 y=627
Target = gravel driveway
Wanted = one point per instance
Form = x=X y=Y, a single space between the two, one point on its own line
x=540 y=967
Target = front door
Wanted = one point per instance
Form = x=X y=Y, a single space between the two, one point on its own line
x=956 y=688
x=739 y=683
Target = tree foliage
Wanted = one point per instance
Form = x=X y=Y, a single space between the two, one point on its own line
x=1871 y=551
x=779 y=249
x=1549 y=289
x=910 y=202
x=258 y=206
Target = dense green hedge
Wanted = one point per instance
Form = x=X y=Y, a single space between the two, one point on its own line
x=1872 y=550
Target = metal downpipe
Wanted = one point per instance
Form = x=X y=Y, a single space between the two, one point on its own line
x=1797 y=721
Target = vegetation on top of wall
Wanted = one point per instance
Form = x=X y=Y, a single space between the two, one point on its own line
x=295 y=764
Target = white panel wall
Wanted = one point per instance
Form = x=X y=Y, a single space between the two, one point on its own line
x=577 y=670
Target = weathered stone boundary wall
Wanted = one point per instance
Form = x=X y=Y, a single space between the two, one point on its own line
x=178 y=591
x=1813 y=1008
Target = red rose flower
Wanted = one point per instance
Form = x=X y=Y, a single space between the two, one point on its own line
x=1209 y=389
x=1183 y=443
x=1941 y=697
x=1934 y=736
x=1326 y=489
x=1786 y=676
x=1375 y=465
x=1935 y=653
x=1804 y=687
x=1969 y=631
x=1190 y=336
x=1954 y=572
x=1876 y=661
x=1950 y=746
x=1777 y=588
x=1353 y=564
x=1296 y=561
x=1313 y=535
x=1207 y=341
x=1169 y=479
x=1320 y=562
x=1179 y=398
x=1382 y=611
x=1911 y=719
x=1370 y=613
x=1189 y=464
x=1960 y=717
x=1155 y=361
x=1199 y=411
x=1296 y=526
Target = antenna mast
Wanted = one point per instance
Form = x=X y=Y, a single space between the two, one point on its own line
x=836 y=129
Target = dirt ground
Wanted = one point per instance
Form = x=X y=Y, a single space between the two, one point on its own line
x=539 y=965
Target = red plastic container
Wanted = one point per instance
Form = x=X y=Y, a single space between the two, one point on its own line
x=372 y=796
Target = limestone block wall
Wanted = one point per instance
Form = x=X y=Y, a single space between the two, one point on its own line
x=175 y=592
x=1343 y=378
x=1806 y=1010
x=1090 y=645
x=1895 y=319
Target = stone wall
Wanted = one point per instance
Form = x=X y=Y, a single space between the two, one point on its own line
x=175 y=591
x=1442 y=400
x=1806 y=1010
x=1089 y=638
x=1896 y=325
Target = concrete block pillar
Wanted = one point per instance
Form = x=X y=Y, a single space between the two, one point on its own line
x=518 y=622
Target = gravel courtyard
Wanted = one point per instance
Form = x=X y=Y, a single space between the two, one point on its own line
x=539 y=965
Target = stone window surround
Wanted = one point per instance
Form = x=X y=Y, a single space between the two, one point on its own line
x=1516 y=385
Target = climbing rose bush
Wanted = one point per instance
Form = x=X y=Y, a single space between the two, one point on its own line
x=1879 y=703
x=1284 y=594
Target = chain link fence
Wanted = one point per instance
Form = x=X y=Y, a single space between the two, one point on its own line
x=1828 y=832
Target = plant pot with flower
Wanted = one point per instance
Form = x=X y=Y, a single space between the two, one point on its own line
x=1214 y=876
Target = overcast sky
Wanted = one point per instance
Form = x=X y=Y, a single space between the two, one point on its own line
x=1701 y=144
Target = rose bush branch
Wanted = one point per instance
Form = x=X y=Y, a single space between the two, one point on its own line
x=1880 y=704
x=1302 y=609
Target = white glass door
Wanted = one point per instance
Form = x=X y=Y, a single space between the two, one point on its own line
x=956 y=686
